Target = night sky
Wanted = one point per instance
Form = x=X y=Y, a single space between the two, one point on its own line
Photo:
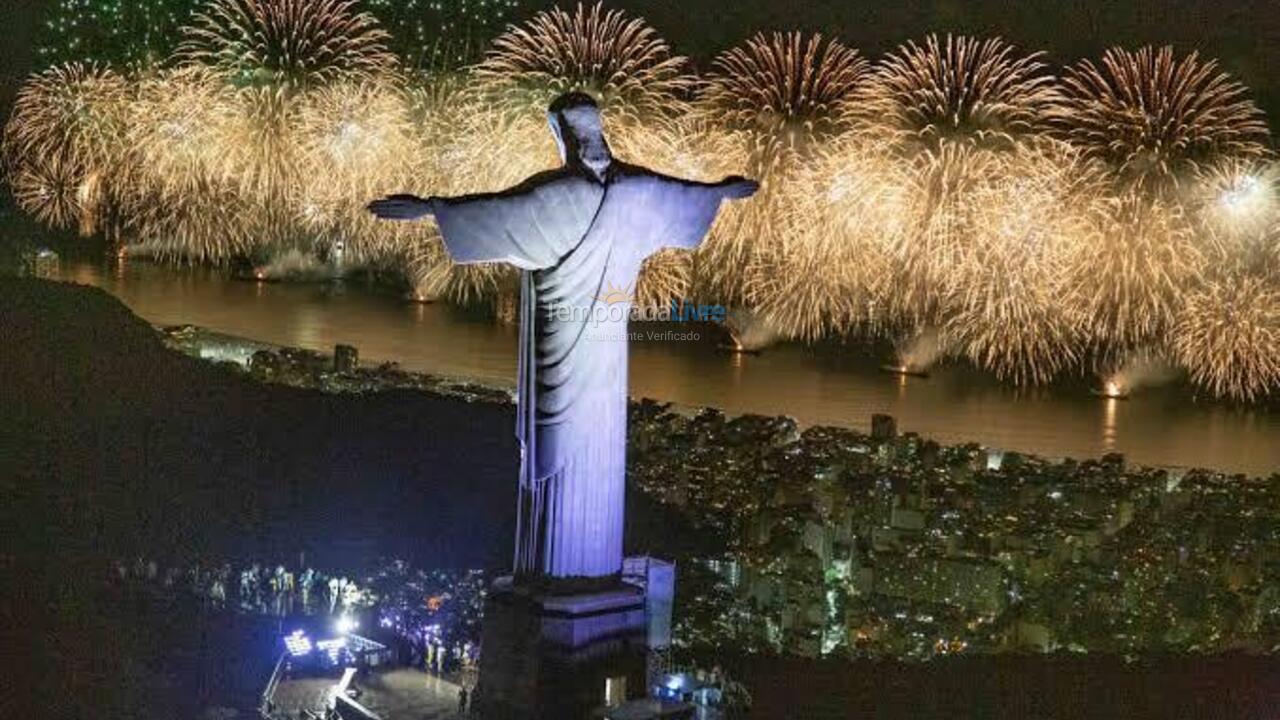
x=18 y=18
x=1244 y=35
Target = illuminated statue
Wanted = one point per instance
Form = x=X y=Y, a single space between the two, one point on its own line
x=578 y=233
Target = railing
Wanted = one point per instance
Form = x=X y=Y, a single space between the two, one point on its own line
x=265 y=708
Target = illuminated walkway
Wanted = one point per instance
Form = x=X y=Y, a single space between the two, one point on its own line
x=399 y=694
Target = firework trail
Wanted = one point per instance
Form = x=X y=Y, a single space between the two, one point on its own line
x=960 y=116
x=1004 y=310
x=620 y=60
x=833 y=273
x=359 y=138
x=1126 y=277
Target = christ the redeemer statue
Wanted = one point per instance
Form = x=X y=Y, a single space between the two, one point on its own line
x=575 y=232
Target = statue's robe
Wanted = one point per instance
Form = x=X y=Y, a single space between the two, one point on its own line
x=576 y=239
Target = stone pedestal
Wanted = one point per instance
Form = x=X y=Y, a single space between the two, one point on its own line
x=561 y=654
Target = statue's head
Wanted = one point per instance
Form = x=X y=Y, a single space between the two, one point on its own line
x=575 y=122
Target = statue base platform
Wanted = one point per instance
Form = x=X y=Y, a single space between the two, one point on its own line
x=561 y=650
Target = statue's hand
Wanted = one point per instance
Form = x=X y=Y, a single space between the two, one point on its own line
x=400 y=207
x=738 y=187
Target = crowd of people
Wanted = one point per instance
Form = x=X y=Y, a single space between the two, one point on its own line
x=261 y=588
x=430 y=617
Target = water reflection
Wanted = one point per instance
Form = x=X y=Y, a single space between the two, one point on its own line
x=816 y=386
x=1109 y=423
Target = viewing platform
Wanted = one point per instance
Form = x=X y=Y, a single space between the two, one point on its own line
x=389 y=694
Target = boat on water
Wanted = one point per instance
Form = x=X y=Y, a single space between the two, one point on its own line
x=905 y=370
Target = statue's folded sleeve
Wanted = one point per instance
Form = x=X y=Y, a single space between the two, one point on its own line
x=530 y=226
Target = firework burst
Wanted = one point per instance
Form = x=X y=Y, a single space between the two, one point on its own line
x=785 y=91
x=172 y=133
x=1154 y=117
x=358 y=137
x=295 y=43
x=620 y=60
x=1004 y=309
x=959 y=88
x=64 y=141
x=1227 y=336
x=940 y=191
x=1233 y=205
x=1125 y=279
x=178 y=201
x=49 y=190
x=782 y=95
x=832 y=272
x=73 y=111
x=274 y=52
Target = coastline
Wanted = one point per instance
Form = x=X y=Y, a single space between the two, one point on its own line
x=312 y=369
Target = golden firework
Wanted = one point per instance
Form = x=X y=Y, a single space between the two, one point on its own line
x=782 y=95
x=784 y=91
x=174 y=194
x=832 y=272
x=620 y=60
x=356 y=141
x=64 y=141
x=1233 y=205
x=1155 y=117
x=1126 y=278
x=959 y=88
x=1004 y=310
x=1227 y=335
x=48 y=189
x=296 y=43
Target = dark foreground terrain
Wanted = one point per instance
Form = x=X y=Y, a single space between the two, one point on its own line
x=113 y=446
x=110 y=442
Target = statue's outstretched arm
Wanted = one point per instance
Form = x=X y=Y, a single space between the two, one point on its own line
x=530 y=225
x=401 y=207
x=736 y=187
